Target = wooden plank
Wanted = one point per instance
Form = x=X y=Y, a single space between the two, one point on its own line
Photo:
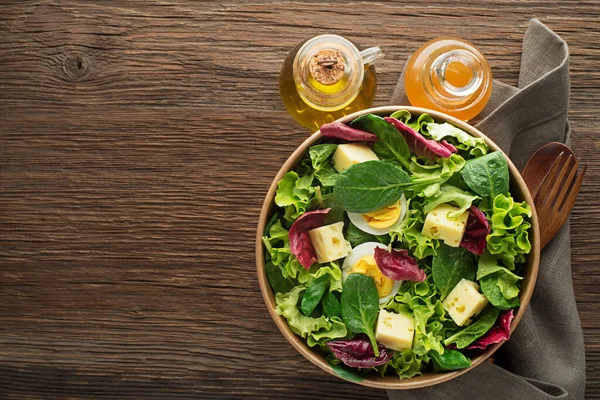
x=137 y=141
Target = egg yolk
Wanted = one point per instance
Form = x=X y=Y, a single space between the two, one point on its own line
x=383 y=218
x=368 y=266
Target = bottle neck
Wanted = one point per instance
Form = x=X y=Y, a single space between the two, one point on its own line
x=455 y=78
x=328 y=72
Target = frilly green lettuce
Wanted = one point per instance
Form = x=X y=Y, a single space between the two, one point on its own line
x=434 y=175
x=509 y=235
x=451 y=194
x=307 y=276
x=277 y=244
x=421 y=299
x=475 y=146
x=409 y=232
x=294 y=193
x=314 y=330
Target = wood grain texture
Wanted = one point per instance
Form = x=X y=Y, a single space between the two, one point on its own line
x=137 y=141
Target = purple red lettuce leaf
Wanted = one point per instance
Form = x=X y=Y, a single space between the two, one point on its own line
x=420 y=145
x=478 y=227
x=358 y=352
x=300 y=244
x=398 y=265
x=449 y=146
x=339 y=130
x=498 y=333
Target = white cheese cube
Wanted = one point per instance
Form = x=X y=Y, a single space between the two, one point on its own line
x=329 y=242
x=395 y=331
x=464 y=301
x=438 y=226
x=346 y=155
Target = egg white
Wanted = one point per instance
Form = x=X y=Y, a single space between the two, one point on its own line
x=361 y=223
x=365 y=250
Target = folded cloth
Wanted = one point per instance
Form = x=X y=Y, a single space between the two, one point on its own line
x=545 y=358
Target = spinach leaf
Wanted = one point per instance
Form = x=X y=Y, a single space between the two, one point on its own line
x=331 y=306
x=313 y=294
x=391 y=145
x=344 y=373
x=360 y=305
x=355 y=236
x=498 y=283
x=278 y=282
x=320 y=156
x=451 y=360
x=484 y=323
x=319 y=202
x=370 y=186
x=487 y=175
x=450 y=266
x=491 y=288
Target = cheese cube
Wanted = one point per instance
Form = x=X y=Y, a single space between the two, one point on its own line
x=395 y=331
x=346 y=155
x=464 y=301
x=329 y=242
x=438 y=226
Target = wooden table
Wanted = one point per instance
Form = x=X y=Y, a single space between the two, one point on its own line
x=137 y=141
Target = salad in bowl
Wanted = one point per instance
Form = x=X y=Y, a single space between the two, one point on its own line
x=396 y=247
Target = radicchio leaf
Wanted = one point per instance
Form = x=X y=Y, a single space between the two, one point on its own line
x=358 y=352
x=421 y=146
x=499 y=333
x=339 y=130
x=478 y=227
x=449 y=146
x=300 y=244
x=398 y=265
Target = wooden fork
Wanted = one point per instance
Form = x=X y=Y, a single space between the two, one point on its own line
x=557 y=194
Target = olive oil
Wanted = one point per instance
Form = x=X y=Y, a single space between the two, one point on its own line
x=321 y=82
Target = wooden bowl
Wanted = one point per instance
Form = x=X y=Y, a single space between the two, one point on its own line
x=518 y=190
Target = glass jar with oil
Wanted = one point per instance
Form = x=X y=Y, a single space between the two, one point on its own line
x=449 y=75
x=326 y=78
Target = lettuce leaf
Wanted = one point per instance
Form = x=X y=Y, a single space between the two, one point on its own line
x=358 y=352
x=277 y=244
x=338 y=130
x=409 y=231
x=477 y=229
x=510 y=228
x=474 y=146
x=438 y=172
x=498 y=284
x=451 y=194
x=398 y=265
x=418 y=143
x=422 y=300
x=294 y=194
x=306 y=277
x=314 y=330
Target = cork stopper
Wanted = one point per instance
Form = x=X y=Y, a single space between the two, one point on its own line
x=327 y=66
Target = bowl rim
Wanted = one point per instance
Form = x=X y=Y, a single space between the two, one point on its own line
x=391 y=382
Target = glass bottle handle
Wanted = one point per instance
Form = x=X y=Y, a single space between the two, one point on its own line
x=372 y=54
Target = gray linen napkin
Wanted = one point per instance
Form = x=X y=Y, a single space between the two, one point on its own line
x=544 y=359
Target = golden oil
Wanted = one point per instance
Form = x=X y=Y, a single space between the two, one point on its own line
x=313 y=94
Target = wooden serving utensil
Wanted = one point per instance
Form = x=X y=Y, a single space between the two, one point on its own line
x=554 y=182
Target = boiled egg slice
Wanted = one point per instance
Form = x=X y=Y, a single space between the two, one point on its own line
x=362 y=260
x=381 y=222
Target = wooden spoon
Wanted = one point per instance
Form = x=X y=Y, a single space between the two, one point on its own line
x=540 y=163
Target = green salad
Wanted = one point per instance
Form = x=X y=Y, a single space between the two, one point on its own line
x=396 y=246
